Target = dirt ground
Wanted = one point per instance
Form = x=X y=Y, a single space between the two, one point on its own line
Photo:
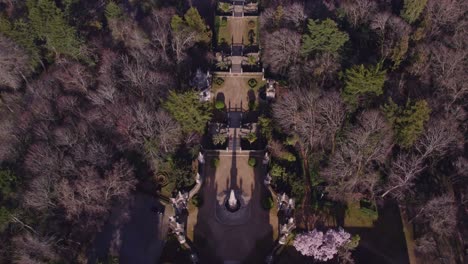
x=241 y=242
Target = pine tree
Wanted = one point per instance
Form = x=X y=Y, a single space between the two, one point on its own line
x=408 y=122
x=362 y=82
x=49 y=25
x=187 y=109
x=323 y=36
x=412 y=9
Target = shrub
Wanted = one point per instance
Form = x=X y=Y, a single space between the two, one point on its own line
x=219 y=105
x=219 y=80
x=197 y=200
x=288 y=156
x=252 y=162
x=251 y=24
x=267 y=202
x=219 y=139
x=215 y=162
x=252 y=83
x=224 y=21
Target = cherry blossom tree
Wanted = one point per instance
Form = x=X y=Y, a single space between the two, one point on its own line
x=321 y=246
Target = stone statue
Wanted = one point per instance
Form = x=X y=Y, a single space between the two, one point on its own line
x=201 y=158
x=232 y=200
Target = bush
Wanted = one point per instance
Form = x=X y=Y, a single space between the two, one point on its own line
x=219 y=105
x=252 y=162
x=267 y=202
x=219 y=80
x=251 y=24
x=252 y=83
x=215 y=162
x=197 y=200
x=224 y=21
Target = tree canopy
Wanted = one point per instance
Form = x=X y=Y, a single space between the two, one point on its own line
x=412 y=9
x=323 y=36
x=187 y=109
x=408 y=122
x=192 y=21
x=361 y=82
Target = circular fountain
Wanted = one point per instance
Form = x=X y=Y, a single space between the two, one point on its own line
x=232 y=204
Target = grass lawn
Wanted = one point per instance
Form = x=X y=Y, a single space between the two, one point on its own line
x=222 y=30
x=356 y=216
x=250 y=24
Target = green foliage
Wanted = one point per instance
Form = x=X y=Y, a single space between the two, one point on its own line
x=361 y=82
x=224 y=7
x=113 y=11
x=267 y=202
x=214 y=162
x=192 y=21
x=353 y=243
x=252 y=162
x=23 y=35
x=222 y=65
x=49 y=24
x=288 y=156
x=279 y=14
x=251 y=137
x=408 y=122
x=252 y=83
x=187 y=109
x=297 y=188
x=4 y=218
x=278 y=172
x=291 y=140
x=197 y=200
x=7 y=183
x=219 y=139
x=251 y=60
x=412 y=9
x=220 y=105
x=400 y=51
x=266 y=127
x=219 y=80
x=323 y=36
x=224 y=21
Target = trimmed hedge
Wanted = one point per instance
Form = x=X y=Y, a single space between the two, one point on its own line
x=252 y=83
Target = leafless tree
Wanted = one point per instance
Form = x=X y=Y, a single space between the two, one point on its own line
x=15 y=64
x=91 y=195
x=445 y=15
x=404 y=170
x=168 y=131
x=40 y=194
x=358 y=11
x=313 y=117
x=182 y=40
x=352 y=171
x=392 y=30
x=74 y=77
x=426 y=244
x=449 y=67
x=30 y=248
x=159 y=24
x=42 y=159
x=439 y=136
x=441 y=214
x=7 y=138
x=294 y=15
x=281 y=50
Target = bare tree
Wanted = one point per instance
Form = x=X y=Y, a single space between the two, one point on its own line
x=441 y=214
x=281 y=50
x=439 y=136
x=181 y=41
x=403 y=172
x=74 y=77
x=42 y=159
x=426 y=244
x=445 y=15
x=358 y=11
x=30 y=248
x=353 y=169
x=392 y=30
x=160 y=28
x=40 y=194
x=15 y=64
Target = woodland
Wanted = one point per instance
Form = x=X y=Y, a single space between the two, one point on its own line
x=95 y=100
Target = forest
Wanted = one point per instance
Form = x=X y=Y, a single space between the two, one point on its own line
x=96 y=102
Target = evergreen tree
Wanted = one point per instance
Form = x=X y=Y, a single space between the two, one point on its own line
x=113 y=11
x=408 y=122
x=412 y=9
x=187 y=109
x=49 y=25
x=362 y=82
x=323 y=36
x=192 y=22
